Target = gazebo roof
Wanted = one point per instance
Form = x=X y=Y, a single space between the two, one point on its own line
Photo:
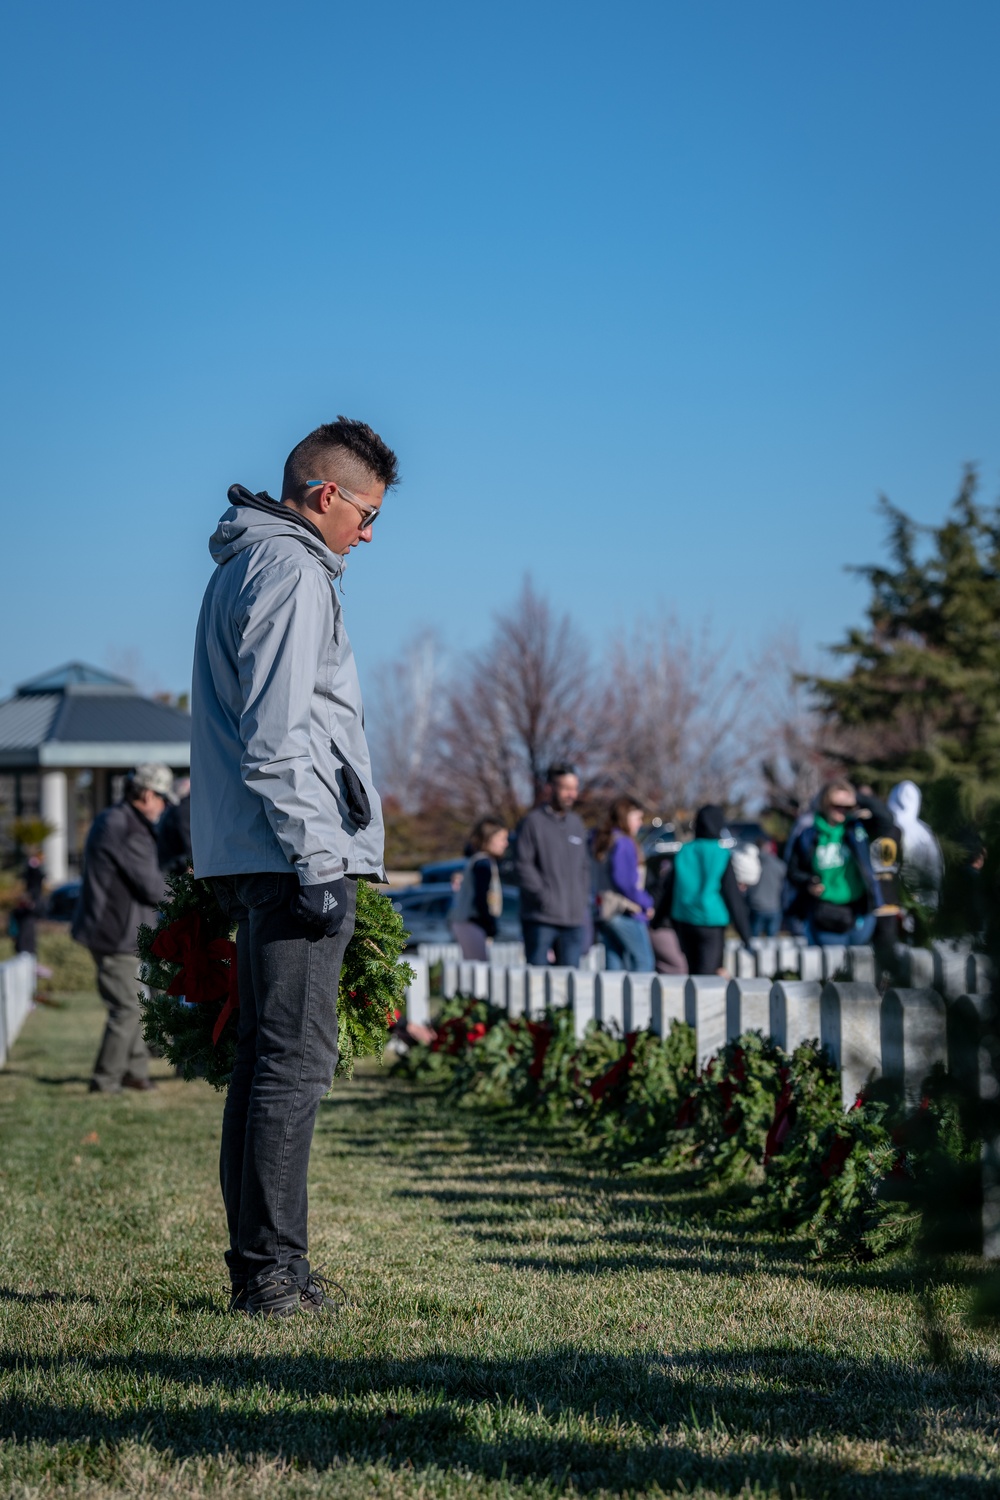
x=78 y=715
x=73 y=676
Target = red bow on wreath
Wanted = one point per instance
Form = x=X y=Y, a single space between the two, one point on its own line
x=785 y=1111
x=207 y=970
x=618 y=1071
x=541 y=1035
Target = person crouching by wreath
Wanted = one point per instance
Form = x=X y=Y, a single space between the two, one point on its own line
x=623 y=905
x=478 y=903
x=285 y=820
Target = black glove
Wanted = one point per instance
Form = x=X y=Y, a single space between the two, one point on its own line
x=322 y=907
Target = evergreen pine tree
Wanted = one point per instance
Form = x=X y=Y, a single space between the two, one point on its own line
x=921 y=697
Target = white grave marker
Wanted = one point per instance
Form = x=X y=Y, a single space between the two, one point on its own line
x=794 y=1012
x=747 y=1007
x=610 y=998
x=705 y=1011
x=638 y=1002
x=850 y=1028
x=913 y=1037
x=667 y=1002
x=582 y=983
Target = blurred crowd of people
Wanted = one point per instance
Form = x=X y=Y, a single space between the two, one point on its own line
x=840 y=879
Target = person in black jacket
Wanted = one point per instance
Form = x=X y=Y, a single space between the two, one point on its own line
x=830 y=865
x=173 y=832
x=478 y=903
x=122 y=885
x=24 y=917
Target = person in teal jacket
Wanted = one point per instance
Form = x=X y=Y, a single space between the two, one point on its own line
x=701 y=896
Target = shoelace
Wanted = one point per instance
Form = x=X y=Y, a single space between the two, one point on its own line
x=324 y=1286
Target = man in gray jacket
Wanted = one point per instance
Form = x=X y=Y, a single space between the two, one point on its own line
x=553 y=871
x=285 y=819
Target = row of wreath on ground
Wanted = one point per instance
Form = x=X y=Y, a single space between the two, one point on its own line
x=767 y=1126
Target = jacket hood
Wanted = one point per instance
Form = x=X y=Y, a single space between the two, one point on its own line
x=257 y=518
x=709 y=822
x=904 y=803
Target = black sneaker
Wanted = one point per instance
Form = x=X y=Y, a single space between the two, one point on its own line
x=320 y=1294
x=281 y=1292
x=273 y=1294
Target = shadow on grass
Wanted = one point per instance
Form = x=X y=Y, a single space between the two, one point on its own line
x=31 y=1299
x=676 y=1211
x=615 y=1422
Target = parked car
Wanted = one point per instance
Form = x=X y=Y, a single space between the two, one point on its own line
x=61 y=904
x=441 y=873
x=659 y=843
x=444 y=871
x=742 y=832
x=424 y=909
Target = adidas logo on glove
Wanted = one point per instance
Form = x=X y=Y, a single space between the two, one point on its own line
x=329 y=902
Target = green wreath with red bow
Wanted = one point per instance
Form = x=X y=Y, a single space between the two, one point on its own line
x=188 y=960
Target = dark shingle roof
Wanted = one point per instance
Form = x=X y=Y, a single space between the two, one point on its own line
x=119 y=719
x=90 y=719
x=25 y=722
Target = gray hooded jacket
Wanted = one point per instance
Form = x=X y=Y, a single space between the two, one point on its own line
x=276 y=707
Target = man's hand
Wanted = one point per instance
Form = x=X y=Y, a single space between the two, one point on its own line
x=322 y=907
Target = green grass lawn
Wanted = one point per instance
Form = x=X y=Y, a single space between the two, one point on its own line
x=519 y=1323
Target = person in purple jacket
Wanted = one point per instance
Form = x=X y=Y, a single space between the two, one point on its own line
x=623 y=905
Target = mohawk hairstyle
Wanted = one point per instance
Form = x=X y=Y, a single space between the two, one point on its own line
x=347 y=445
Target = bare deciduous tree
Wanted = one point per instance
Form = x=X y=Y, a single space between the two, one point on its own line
x=666 y=716
x=794 y=758
x=522 y=702
x=684 y=721
x=406 y=713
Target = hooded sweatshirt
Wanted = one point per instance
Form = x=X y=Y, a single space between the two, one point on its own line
x=923 y=865
x=277 y=724
x=702 y=890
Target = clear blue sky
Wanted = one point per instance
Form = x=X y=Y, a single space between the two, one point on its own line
x=652 y=299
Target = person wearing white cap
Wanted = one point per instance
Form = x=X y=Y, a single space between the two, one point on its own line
x=122 y=886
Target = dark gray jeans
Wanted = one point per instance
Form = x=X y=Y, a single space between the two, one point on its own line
x=286 y=1053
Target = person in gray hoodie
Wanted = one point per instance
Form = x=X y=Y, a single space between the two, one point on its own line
x=285 y=819
x=553 y=871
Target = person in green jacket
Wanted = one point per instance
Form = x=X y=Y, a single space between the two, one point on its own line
x=701 y=895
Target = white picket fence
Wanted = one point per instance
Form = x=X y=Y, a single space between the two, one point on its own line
x=17 y=997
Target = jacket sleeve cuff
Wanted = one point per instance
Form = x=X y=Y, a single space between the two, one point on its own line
x=320 y=869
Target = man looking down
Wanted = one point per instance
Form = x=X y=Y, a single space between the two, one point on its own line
x=285 y=819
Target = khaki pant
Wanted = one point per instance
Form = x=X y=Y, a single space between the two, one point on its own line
x=123 y=1050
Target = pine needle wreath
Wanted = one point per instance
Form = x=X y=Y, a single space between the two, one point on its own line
x=188 y=963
